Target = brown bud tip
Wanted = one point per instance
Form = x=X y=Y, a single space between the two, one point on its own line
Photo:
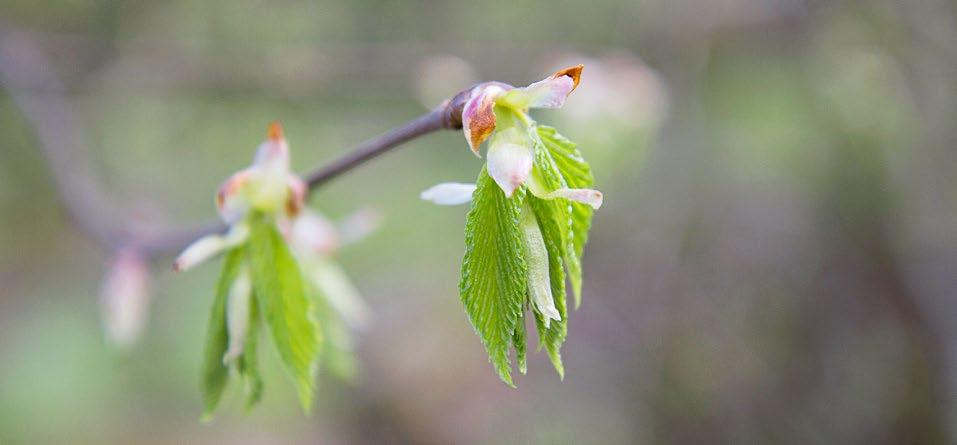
x=575 y=72
x=275 y=131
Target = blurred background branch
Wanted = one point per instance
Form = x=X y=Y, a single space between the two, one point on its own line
x=29 y=77
x=774 y=262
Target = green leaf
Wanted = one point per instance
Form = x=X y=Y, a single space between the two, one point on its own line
x=280 y=290
x=215 y=373
x=558 y=212
x=247 y=364
x=554 y=218
x=518 y=341
x=554 y=335
x=493 y=286
x=576 y=173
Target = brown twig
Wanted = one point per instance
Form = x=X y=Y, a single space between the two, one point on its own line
x=448 y=115
x=25 y=72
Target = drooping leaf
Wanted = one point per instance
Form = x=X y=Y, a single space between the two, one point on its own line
x=536 y=260
x=215 y=373
x=576 y=174
x=287 y=310
x=493 y=286
x=248 y=364
x=553 y=336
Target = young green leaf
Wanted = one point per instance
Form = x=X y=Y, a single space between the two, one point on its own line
x=215 y=373
x=518 y=341
x=552 y=336
x=247 y=364
x=280 y=290
x=493 y=286
x=554 y=215
x=536 y=259
x=577 y=174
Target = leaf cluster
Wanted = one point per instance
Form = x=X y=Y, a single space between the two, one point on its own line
x=495 y=268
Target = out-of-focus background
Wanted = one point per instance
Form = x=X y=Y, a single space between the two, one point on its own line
x=776 y=260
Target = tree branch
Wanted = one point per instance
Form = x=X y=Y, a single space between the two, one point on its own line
x=25 y=72
x=425 y=124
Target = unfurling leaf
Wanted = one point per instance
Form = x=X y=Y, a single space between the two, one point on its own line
x=532 y=229
x=552 y=335
x=215 y=372
x=554 y=220
x=286 y=308
x=576 y=173
x=248 y=364
x=264 y=280
x=494 y=286
x=536 y=236
x=536 y=258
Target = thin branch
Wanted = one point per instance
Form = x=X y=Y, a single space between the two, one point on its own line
x=27 y=75
x=446 y=116
x=425 y=124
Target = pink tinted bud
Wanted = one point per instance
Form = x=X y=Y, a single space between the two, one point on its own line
x=478 y=114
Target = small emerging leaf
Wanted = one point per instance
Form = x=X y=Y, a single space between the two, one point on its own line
x=280 y=290
x=518 y=341
x=553 y=336
x=577 y=174
x=536 y=260
x=247 y=365
x=215 y=373
x=493 y=286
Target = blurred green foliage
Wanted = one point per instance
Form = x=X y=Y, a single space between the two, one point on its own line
x=773 y=264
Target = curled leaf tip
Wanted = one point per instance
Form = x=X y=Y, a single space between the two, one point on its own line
x=574 y=72
x=275 y=132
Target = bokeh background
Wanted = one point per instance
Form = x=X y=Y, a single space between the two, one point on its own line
x=776 y=260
